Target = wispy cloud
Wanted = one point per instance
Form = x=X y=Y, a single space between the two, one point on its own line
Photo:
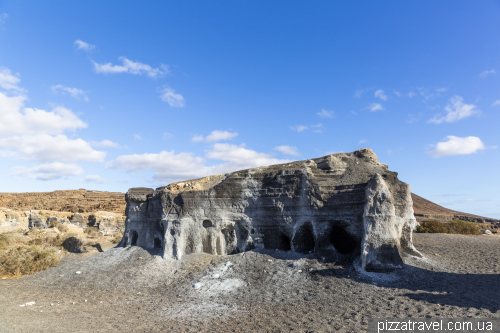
x=104 y=144
x=457 y=146
x=363 y=141
x=137 y=137
x=496 y=103
x=8 y=81
x=48 y=171
x=413 y=118
x=299 y=128
x=172 y=98
x=74 y=92
x=317 y=128
x=81 y=45
x=455 y=111
x=380 y=94
x=131 y=67
x=375 y=107
x=215 y=136
x=167 y=135
x=288 y=150
x=93 y=179
x=326 y=114
x=486 y=73
x=3 y=18
x=358 y=93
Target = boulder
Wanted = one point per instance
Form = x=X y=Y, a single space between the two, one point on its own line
x=347 y=203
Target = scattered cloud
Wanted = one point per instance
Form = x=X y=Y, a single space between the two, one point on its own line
x=486 y=73
x=358 y=93
x=380 y=94
x=215 y=136
x=413 y=118
x=48 y=148
x=81 y=45
x=410 y=94
x=105 y=144
x=170 y=167
x=8 y=81
x=299 y=128
x=496 y=103
x=375 y=107
x=137 y=137
x=93 y=179
x=363 y=141
x=175 y=100
x=455 y=111
x=3 y=18
x=318 y=128
x=441 y=90
x=74 y=92
x=326 y=114
x=167 y=135
x=131 y=67
x=288 y=150
x=48 y=171
x=457 y=146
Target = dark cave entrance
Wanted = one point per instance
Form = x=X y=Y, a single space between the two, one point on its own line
x=342 y=241
x=157 y=242
x=303 y=241
x=135 y=236
x=284 y=243
x=207 y=224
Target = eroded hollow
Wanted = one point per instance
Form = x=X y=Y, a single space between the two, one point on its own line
x=157 y=242
x=135 y=236
x=284 y=243
x=342 y=241
x=207 y=224
x=304 y=241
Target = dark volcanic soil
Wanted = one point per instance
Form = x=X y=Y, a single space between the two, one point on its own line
x=130 y=290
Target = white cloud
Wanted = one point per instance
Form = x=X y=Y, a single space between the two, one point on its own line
x=456 y=110
x=17 y=120
x=363 y=141
x=486 y=73
x=457 y=146
x=167 y=135
x=105 y=144
x=3 y=18
x=170 y=167
x=318 y=128
x=131 y=67
x=375 y=107
x=326 y=114
x=358 y=93
x=380 y=94
x=74 y=92
x=215 y=136
x=8 y=81
x=175 y=100
x=441 y=90
x=496 y=103
x=93 y=179
x=288 y=150
x=48 y=148
x=411 y=94
x=49 y=171
x=137 y=137
x=81 y=45
x=299 y=128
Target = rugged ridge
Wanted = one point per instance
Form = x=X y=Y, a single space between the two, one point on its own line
x=346 y=203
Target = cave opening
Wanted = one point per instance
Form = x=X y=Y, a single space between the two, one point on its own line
x=135 y=236
x=304 y=241
x=157 y=242
x=284 y=243
x=207 y=224
x=342 y=241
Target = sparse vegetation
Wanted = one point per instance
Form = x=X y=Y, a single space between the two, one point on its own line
x=92 y=231
x=27 y=260
x=56 y=224
x=453 y=227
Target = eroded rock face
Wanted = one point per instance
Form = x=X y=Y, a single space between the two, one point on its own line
x=348 y=203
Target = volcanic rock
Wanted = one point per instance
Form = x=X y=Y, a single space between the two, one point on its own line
x=348 y=203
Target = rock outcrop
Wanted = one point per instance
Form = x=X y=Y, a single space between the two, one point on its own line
x=348 y=203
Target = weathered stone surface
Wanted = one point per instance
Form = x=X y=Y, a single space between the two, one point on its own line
x=348 y=203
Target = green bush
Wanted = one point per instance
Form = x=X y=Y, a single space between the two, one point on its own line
x=453 y=227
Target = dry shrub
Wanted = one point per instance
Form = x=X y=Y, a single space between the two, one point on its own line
x=27 y=260
x=5 y=240
x=56 y=224
x=453 y=227
x=72 y=244
x=92 y=231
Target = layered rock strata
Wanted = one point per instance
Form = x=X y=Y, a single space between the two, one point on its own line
x=348 y=203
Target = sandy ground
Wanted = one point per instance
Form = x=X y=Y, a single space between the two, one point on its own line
x=130 y=290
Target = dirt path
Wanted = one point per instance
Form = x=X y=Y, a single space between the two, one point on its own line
x=130 y=290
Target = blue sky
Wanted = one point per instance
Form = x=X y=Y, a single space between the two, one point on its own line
x=108 y=96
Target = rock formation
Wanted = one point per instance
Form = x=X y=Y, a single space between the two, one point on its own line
x=348 y=203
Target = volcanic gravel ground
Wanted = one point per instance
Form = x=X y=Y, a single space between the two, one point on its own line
x=131 y=290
